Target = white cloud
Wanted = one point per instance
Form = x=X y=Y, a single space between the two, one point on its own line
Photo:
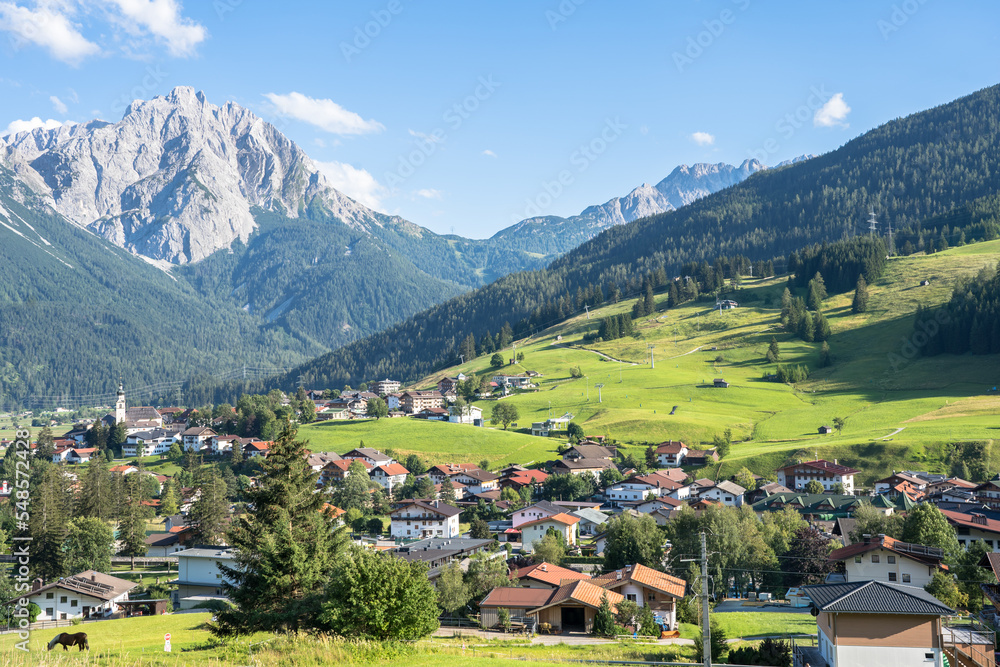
x=703 y=138
x=434 y=138
x=26 y=125
x=357 y=184
x=48 y=27
x=833 y=113
x=428 y=193
x=163 y=20
x=324 y=114
x=58 y=105
x=489 y=153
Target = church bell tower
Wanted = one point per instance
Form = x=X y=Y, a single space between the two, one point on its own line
x=120 y=404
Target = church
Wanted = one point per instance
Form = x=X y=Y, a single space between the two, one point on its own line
x=139 y=418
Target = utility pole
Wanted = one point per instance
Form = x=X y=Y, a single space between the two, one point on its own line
x=599 y=386
x=872 y=223
x=652 y=362
x=706 y=629
x=892 y=246
x=619 y=371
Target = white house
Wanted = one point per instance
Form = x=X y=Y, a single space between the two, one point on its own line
x=150 y=443
x=797 y=475
x=199 y=578
x=671 y=453
x=540 y=510
x=196 y=438
x=389 y=475
x=417 y=519
x=639 y=487
x=372 y=457
x=89 y=594
x=728 y=493
x=477 y=481
x=647 y=588
x=469 y=414
x=882 y=558
x=563 y=523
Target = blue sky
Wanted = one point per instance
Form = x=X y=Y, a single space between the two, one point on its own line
x=465 y=116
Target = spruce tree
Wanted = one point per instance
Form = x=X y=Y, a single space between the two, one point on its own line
x=773 y=353
x=860 y=303
x=45 y=445
x=807 y=328
x=286 y=548
x=51 y=508
x=169 y=503
x=210 y=511
x=821 y=326
x=132 y=517
x=96 y=492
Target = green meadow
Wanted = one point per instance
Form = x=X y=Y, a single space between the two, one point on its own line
x=873 y=384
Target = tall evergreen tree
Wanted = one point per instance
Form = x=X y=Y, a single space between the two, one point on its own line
x=88 y=545
x=97 y=491
x=210 y=512
x=773 y=352
x=169 y=502
x=51 y=508
x=860 y=302
x=45 y=444
x=286 y=548
x=132 y=516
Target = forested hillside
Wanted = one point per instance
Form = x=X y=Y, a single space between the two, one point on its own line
x=82 y=313
x=930 y=174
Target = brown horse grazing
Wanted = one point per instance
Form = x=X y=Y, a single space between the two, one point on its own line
x=67 y=640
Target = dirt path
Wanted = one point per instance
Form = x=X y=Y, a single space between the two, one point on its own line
x=886 y=437
x=600 y=354
x=687 y=353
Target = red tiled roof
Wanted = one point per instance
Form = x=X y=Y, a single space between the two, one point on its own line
x=586 y=593
x=518 y=598
x=646 y=576
x=670 y=447
x=978 y=521
x=562 y=518
x=549 y=574
x=393 y=469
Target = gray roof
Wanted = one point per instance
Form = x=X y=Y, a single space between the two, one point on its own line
x=547 y=506
x=590 y=514
x=875 y=597
x=223 y=553
x=731 y=487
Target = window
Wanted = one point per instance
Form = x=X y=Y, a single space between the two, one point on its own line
x=49 y=612
x=891 y=560
x=630 y=597
x=874 y=558
x=906 y=578
x=62 y=599
x=989 y=543
x=73 y=603
x=892 y=576
x=50 y=596
x=857 y=559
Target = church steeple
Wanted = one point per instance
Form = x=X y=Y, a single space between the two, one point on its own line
x=120 y=404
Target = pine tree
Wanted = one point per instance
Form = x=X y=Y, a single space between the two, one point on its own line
x=648 y=304
x=821 y=326
x=807 y=329
x=604 y=619
x=117 y=437
x=132 y=517
x=51 y=507
x=210 y=511
x=352 y=492
x=787 y=305
x=286 y=548
x=169 y=503
x=860 y=303
x=97 y=491
x=45 y=445
x=773 y=352
x=824 y=355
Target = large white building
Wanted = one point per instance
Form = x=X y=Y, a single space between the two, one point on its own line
x=797 y=475
x=417 y=519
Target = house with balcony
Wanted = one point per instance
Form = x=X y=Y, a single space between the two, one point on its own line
x=199 y=578
x=418 y=519
x=389 y=475
x=89 y=594
x=830 y=475
x=882 y=558
x=562 y=523
x=197 y=438
x=647 y=588
x=671 y=453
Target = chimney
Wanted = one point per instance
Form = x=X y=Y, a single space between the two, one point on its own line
x=93 y=576
x=36 y=584
x=544 y=567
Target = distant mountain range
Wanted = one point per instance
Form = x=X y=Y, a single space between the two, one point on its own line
x=243 y=220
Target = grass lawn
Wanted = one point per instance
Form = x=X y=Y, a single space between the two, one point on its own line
x=439 y=442
x=756 y=624
x=139 y=642
x=936 y=401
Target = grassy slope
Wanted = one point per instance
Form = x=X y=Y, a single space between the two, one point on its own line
x=936 y=400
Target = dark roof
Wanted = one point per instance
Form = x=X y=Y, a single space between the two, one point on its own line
x=431 y=506
x=583 y=464
x=917 y=552
x=845 y=526
x=95 y=584
x=875 y=597
x=546 y=506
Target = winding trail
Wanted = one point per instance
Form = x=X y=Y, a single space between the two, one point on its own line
x=886 y=437
x=687 y=353
x=600 y=354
